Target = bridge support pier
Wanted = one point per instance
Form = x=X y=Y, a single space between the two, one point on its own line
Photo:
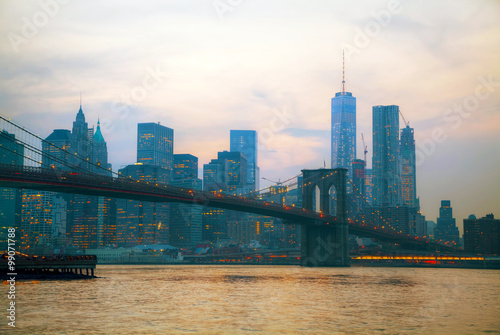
x=325 y=245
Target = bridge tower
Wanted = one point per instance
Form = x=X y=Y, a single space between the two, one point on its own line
x=325 y=245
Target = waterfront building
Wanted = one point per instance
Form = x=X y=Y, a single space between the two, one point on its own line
x=482 y=236
x=446 y=229
x=11 y=153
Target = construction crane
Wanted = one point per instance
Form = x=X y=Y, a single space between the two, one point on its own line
x=406 y=122
x=365 y=148
x=278 y=183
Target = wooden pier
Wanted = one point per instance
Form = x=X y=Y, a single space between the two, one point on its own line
x=48 y=267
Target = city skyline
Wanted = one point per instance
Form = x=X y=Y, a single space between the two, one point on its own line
x=214 y=84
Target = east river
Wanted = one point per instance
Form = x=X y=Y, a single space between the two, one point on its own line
x=193 y=299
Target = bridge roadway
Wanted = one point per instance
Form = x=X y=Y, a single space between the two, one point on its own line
x=53 y=180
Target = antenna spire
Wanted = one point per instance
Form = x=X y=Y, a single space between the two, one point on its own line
x=80 y=99
x=343 y=72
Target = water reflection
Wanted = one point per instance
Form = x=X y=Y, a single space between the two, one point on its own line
x=249 y=299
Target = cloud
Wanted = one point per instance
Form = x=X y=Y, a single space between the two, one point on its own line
x=263 y=57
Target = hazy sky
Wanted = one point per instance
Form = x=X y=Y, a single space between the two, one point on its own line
x=205 y=67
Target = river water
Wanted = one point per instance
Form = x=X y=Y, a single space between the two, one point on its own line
x=260 y=300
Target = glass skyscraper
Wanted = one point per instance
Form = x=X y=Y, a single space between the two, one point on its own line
x=343 y=134
x=155 y=145
x=408 y=172
x=245 y=141
x=385 y=162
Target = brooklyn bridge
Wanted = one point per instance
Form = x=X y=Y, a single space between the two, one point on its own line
x=324 y=237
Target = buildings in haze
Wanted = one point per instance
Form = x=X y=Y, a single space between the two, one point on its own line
x=385 y=162
x=482 y=236
x=446 y=229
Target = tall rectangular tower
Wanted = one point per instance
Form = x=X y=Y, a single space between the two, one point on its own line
x=343 y=130
x=245 y=141
x=385 y=162
x=408 y=168
x=446 y=229
x=155 y=145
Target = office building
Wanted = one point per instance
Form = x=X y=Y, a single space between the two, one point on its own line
x=343 y=130
x=155 y=145
x=408 y=168
x=358 y=183
x=246 y=142
x=482 y=236
x=386 y=176
x=446 y=229
x=369 y=186
x=100 y=153
x=11 y=153
x=141 y=222
x=235 y=170
x=80 y=140
x=57 y=149
x=185 y=167
x=185 y=226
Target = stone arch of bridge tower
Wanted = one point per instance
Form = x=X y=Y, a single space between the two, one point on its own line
x=325 y=180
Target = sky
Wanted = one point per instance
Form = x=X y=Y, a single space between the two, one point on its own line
x=208 y=66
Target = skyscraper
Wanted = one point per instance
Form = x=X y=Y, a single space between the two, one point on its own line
x=385 y=162
x=245 y=141
x=11 y=152
x=343 y=130
x=369 y=186
x=235 y=170
x=225 y=174
x=358 y=181
x=155 y=145
x=80 y=139
x=408 y=168
x=52 y=155
x=446 y=229
x=100 y=153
